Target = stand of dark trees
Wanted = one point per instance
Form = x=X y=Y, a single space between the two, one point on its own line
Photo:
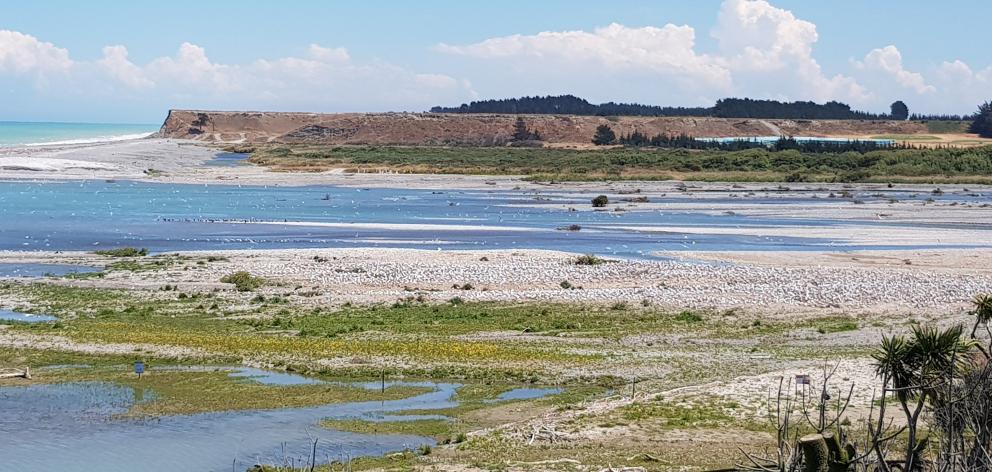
x=982 y=125
x=568 y=105
x=724 y=108
x=921 y=117
x=683 y=141
x=749 y=108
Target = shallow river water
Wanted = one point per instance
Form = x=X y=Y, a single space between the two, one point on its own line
x=71 y=427
x=88 y=215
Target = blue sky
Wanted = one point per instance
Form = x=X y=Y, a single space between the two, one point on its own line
x=379 y=55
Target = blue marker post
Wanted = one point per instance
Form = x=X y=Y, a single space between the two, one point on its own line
x=139 y=368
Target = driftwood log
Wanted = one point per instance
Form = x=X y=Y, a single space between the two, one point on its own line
x=15 y=373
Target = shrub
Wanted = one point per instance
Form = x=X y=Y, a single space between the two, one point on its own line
x=122 y=252
x=604 y=136
x=243 y=281
x=982 y=125
x=566 y=285
x=600 y=201
x=589 y=259
x=688 y=317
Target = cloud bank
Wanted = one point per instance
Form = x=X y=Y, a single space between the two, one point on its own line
x=760 y=51
x=323 y=78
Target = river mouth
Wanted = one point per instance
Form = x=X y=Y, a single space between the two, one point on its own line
x=78 y=426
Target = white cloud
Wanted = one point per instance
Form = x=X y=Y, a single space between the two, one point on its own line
x=764 y=51
x=24 y=54
x=323 y=78
x=116 y=63
x=962 y=88
x=960 y=73
x=667 y=51
x=760 y=51
x=888 y=61
x=756 y=35
x=770 y=52
x=191 y=71
x=322 y=54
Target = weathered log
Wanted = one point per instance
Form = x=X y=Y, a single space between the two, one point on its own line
x=14 y=373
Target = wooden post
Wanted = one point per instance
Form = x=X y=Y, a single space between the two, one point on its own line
x=27 y=372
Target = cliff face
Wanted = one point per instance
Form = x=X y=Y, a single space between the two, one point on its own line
x=459 y=129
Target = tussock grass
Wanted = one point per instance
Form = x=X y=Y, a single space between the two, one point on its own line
x=122 y=252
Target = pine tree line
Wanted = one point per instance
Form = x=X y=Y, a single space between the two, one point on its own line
x=724 y=108
x=568 y=105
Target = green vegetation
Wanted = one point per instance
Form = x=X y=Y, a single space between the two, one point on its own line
x=982 y=125
x=589 y=259
x=947 y=127
x=836 y=325
x=489 y=347
x=417 y=338
x=689 y=317
x=243 y=281
x=967 y=165
x=600 y=201
x=439 y=429
x=148 y=264
x=899 y=110
x=784 y=143
x=701 y=413
x=604 y=136
x=122 y=252
x=724 y=108
x=521 y=133
x=172 y=392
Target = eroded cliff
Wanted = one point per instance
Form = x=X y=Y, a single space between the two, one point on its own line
x=482 y=129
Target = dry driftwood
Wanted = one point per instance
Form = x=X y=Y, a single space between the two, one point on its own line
x=15 y=373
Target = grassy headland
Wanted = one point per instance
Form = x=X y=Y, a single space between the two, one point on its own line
x=957 y=165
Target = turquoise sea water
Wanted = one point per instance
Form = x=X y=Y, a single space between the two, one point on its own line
x=21 y=133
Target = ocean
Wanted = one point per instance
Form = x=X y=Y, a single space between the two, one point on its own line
x=22 y=133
